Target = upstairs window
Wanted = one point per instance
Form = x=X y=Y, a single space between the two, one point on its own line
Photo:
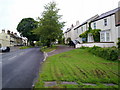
x=82 y=29
x=94 y=25
x=105 y=22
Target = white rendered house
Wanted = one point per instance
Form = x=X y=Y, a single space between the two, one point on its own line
x=108 y=22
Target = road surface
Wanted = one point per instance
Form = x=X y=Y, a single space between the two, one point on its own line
x=21 y=67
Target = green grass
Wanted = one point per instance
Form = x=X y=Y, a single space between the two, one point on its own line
x=48 y=49
x=80 y=66
x=25 y=47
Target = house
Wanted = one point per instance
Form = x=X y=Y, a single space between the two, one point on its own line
x=108 y=23
x=4 y=39
x=70 y=33
x=82 y=28
x=9 y=39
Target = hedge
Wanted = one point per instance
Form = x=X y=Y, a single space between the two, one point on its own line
x=107 y=53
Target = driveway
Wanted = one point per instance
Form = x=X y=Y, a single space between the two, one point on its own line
x=21 y=67
x=60 y=49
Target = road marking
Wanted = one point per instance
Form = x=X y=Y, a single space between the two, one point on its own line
x=13 y=57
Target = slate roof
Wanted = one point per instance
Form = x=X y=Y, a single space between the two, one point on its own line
x=111 y=12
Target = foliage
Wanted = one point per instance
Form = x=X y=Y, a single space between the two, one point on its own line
x=68 y=40
x=96 y=34
x=25 y=28
x=78 y=66
x=85 y=34
x=118 y=43
x=107 y=53
x=49 y=29
x=38 y=43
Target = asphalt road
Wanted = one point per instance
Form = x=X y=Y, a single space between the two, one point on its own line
x=21 y=67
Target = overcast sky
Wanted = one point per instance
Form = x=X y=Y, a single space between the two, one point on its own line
x=12 y=11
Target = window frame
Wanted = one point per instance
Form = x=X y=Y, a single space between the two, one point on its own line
x=105 y=22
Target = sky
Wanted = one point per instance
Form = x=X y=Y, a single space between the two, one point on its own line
x=13 y=11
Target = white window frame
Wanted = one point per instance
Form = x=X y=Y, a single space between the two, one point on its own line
x=105 y=36
x=105 y=22
x=94 y=25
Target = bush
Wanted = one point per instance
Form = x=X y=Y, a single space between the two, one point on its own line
x=107 y=53
x=96 y=34
x=118 y=43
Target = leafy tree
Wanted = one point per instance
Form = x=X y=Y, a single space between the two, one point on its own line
x=25 y=28
x=49 y=29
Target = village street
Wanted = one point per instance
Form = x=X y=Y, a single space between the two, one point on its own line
x=20 y=67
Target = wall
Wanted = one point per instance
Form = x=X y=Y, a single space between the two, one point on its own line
x=4 y=39
x=109 y=28
x=95 y=44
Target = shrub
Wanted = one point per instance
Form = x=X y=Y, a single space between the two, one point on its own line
x=118 y=43
x=107 y=53
x=96 y=34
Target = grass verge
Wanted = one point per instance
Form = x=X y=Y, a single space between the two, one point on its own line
x=25 y=47
x=48 y=49
x=78 y=66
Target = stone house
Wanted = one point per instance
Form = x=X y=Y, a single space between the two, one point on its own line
x=9 y=39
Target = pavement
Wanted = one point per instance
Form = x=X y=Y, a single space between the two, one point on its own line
x=60 y=49
x=21 y=67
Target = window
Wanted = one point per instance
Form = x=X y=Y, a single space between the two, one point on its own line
x=102 y=37
x=6 y=36
x=105 y=22
x=107 y=37
x=94 y=25
x=82 y=29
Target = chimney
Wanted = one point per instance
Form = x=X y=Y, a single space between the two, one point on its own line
x=8 y=32
x=72 y=25
x=3 y=30
x=11 y=32
x=15 y=33
x=77 y=22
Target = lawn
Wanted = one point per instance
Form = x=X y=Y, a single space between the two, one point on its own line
x=78 y=66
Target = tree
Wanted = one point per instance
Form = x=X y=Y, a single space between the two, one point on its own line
x=49 y=29
x=25 y=28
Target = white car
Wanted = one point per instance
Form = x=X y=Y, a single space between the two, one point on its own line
x=4 y=49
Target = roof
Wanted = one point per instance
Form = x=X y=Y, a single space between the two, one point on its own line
x=96 y=17
x=88 y=20
x=111 y=12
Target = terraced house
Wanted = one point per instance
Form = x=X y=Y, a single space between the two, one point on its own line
x=108 y=23
x=9 y=39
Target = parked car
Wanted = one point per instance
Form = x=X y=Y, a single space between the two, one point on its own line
x=4 y=49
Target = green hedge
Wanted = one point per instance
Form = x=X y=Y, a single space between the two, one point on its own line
x=107 y=53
